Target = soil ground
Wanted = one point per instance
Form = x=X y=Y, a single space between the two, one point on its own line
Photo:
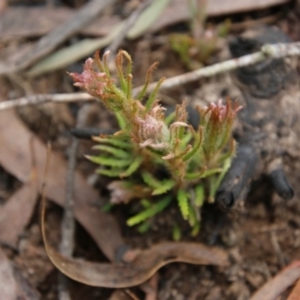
x=262 y=237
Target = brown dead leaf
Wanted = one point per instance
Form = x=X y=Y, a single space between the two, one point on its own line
x=142 y=268
x=13 y=286
x=148 y=262
x=277 y=285
x=15 y=158
x=16 y=213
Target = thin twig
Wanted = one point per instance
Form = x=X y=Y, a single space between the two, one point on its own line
x=129 y=23
x=43 y=98
x=267 y=51
x=68 y=222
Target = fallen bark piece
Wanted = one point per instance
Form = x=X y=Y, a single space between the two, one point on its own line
x=277 y=285
x=15 y=158
x=13 y=286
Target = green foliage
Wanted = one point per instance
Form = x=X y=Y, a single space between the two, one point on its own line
x=108 y=161
x=181 y=44
x=144 y=227
x=176 y=233
x=107 y=207
x=199 y=195
x=165 y=186
x=114 y=141
x=117 y=152
x=150 y=180
x=183 y=202
x=150 y=211
x=193 y=49
x=109 y=173
x=195 y=229
x=133 y=167
x=160 y=156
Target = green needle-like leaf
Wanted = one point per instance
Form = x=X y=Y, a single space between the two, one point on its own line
x=146 y=203
x=144 y=227
x=176 y=233
x=152 y=96
x=186 y=138
x=199 y=195
x=149 y=212
x=150 y=180
x=119 y=153
x=203 y=174
x=114 y=141
x=170 y=118
x=108 y=161
x=166 y=185
x=215 y=182
x=121 y=119
x=183 y=202
x=210 y=172
x=133 y=167
x=192 y=216
x=196 y=229
x=109 y=173
x=197 y=145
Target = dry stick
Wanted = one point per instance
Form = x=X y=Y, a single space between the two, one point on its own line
x=267 y=51
x=68 y=222
x=43 y=98
x=50 y=41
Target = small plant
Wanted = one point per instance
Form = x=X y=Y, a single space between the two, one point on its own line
x=196 y=47
x=196 y=51
x=157 y=158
